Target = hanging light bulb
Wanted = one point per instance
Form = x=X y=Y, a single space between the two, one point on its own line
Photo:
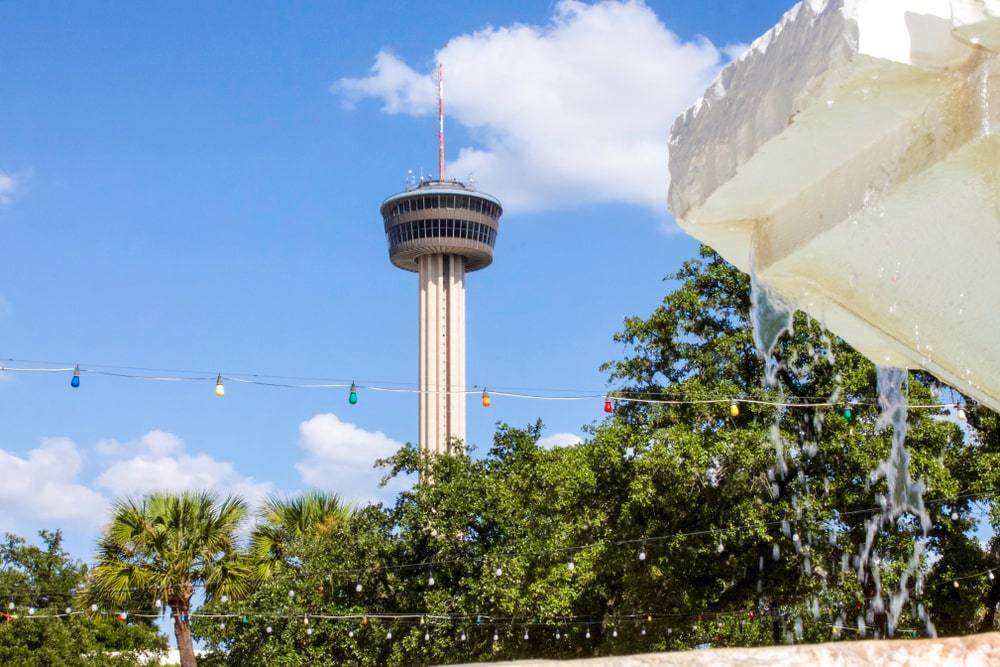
x=558 y=635
x=75 y=382
x=69 y=610
x=309 y=631
x=962 y=414
x=224 y=599
x=588 y=633
x=496 y=637
x=159 y=603
x=955 y=583
x=93 y=607
x=352 y=397
x=291 y=594
x=486 y=399
x=358 y=588
x=350 y=633
x=462 y=638
x=10 y=605
x=244 y=620
x=269 y=629
x=954 y=516
x=305 y=620
x=734 y=410
x=991 y=575
x=430 y=579
x=642 y=552
x=721 y=547
x=608 y=405
x=220 y=390
x=31 y=611
x=526 y=634
x=222 y=625
x=499 y=571
x=614 y=633
x=427 y=636
x=643 y=631
x=388 y=635
x=848 y=413
x=571 y=564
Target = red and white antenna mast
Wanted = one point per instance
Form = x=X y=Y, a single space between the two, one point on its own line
x=440 y=121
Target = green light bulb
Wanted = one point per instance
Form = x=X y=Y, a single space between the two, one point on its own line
x=353 y=397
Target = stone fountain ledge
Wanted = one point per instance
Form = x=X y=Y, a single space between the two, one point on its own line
x=970 y=651
x=852 y=153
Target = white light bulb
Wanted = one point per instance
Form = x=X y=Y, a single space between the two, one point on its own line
x=69 y=610
x=614 y=633
x=306 y=620
x=496 y=637
x=954 y=516
x=720 y=548
x=31 y=611
x=462 y=637
x=642 y=555
x=309 y=631
x=643 y=630
x=350 y=633
x=430 y=580
x=571 y=565
x=588 y=633
x=991 y=575
x=795 y=537
x=558 y=635
x=224 y=599
x=358 y=588
x=388 y=635
x=222 y=625
x=525 y=635
x=427 y=636
x=93 y=607
x=10 y=605
x=291 y=593
x=499 y=571
x=962 y=414
x=268 y=629
x=159 y=603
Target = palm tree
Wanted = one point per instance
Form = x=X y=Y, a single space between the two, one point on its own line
x=167 y=546
x=283 y=521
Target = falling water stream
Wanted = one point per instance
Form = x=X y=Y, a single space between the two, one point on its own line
x=770 y=318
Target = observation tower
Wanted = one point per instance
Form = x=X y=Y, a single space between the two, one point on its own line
x=441 y=229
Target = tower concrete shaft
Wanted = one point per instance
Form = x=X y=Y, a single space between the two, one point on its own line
x=442 y=351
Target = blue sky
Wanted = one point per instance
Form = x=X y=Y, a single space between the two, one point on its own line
x=197 y=186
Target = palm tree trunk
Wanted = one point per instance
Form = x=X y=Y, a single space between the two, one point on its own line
x=182 y=632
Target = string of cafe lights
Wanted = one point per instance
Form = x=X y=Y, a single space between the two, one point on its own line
x=644 y=546
x=610 y=398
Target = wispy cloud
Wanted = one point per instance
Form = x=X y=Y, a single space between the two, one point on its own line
x=340 y=457
x=8 y=185
x=574 y=111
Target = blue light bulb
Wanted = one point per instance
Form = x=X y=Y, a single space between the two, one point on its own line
x=75 y=382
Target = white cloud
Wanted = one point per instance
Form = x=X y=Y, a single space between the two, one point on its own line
x=159 y=462
x=41 y=486
x=7 y=187
x=575 y=111
x=559 y=440
x=340 y=458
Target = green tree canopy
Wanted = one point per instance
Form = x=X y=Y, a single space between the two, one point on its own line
x=673 y=525
x=38 y=584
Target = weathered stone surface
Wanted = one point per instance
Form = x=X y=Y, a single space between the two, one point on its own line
x=853 y=154
x=971 y=651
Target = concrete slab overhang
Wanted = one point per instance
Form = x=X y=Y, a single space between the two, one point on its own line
x=853 y=154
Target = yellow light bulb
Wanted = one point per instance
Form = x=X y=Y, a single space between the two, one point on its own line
x=220 y=390
x=486 y=399
x=734 y=410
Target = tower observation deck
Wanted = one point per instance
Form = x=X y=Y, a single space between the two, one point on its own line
x=441 y=230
